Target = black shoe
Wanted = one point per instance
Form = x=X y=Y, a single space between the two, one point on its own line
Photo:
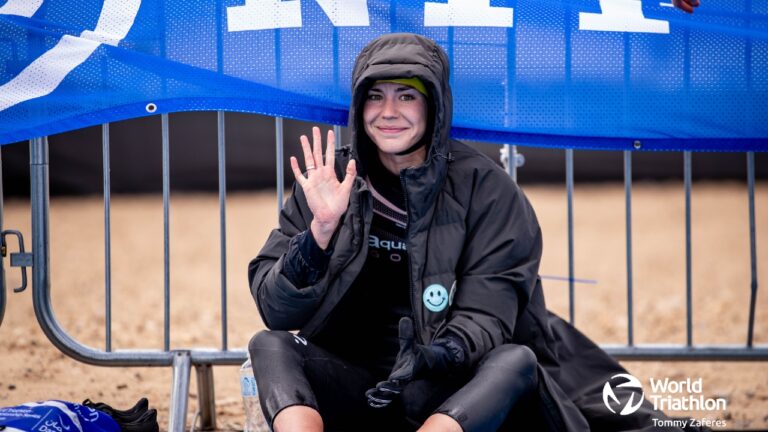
x=127 y=416
x=147 y=422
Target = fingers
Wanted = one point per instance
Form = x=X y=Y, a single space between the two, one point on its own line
x=313 y=159
x=405 y=330
x=391 y=387
x=349 y=178
x=309 y=160
x=317 y=146
x=330 y=151
x=375 y=400
x=313 y=156
x=300 y=179
x=383 y=394
x=405 y=371
x=686 y=5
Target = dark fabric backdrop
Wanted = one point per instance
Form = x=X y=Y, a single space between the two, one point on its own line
x=136 y=158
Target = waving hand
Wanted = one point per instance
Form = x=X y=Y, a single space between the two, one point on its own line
x=327 y=198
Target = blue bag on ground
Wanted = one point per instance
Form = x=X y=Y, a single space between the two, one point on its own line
x=55 y=416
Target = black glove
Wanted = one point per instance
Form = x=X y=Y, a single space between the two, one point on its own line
x=413 y=359
x=383 y=394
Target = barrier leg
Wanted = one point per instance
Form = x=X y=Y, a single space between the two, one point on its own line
x=2 y=248
x=206 y=400
x=177 y=418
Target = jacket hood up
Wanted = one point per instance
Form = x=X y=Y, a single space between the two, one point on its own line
x=404 y=55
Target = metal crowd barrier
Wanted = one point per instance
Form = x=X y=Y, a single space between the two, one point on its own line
x=180 y=360
x=203 y=360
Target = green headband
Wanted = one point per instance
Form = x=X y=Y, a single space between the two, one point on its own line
x=414 y=83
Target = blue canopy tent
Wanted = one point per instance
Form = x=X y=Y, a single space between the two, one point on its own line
x=587 y=74
x=605 y=74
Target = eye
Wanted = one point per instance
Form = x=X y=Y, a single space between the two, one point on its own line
x=405 y=97
x=374 y=97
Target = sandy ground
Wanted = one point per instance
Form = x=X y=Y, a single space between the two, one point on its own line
x=31 y=369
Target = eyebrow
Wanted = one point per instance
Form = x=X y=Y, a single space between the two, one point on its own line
x=399 y=89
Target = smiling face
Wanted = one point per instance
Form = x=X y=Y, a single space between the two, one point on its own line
x=395 y=118
x=435 y=298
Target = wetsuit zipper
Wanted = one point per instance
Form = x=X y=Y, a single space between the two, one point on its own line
x=417 y=320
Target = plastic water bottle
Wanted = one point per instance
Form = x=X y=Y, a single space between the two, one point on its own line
x=254 y=418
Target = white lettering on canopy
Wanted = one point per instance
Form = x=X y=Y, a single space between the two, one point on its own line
x=273 y=14
x=466 y=13
x=346 y=13
x=621 y=16
x=45 y=73
x=25 y=8
x=264 y=15
x=615 y=15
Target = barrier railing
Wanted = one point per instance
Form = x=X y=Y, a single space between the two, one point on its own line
x=19 y=259
x=182 y=361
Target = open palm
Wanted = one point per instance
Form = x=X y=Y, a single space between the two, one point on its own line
x=327 y=197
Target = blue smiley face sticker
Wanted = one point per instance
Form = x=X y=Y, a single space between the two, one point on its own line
x=435 y=297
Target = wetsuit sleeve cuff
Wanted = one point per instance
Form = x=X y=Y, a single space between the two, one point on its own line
x=305 y=262
x=316 y=257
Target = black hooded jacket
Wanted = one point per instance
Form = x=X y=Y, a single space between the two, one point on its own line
x=470 y=231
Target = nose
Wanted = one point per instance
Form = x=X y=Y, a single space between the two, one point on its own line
x=389 y=110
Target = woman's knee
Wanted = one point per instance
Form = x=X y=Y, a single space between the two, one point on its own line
x=511 y=361
x=503 y=377
x=269 y=340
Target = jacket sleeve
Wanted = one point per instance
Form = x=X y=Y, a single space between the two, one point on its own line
x=275 y=276
x=498 y=267
x=305 y=262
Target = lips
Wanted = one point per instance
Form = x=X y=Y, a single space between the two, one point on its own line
x=390 y=129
